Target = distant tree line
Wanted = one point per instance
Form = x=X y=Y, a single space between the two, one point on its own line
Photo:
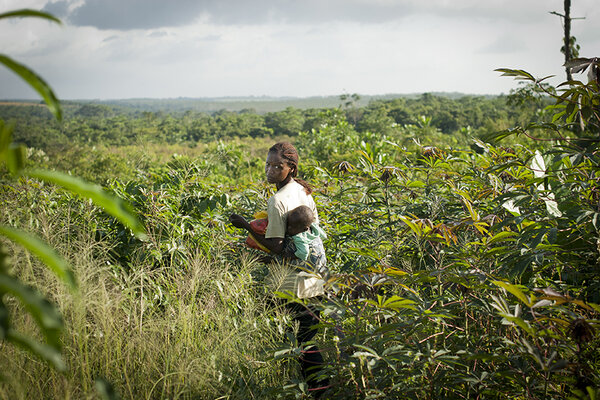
x=93 y=124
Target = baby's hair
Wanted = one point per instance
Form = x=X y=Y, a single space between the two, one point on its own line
x=288 y=152
x=301 y=216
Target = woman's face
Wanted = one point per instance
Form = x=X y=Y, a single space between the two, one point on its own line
x=276 y=168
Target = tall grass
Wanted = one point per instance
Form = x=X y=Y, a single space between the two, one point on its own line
x=197 y=330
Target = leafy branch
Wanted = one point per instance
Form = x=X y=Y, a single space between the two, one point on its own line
x=45 y=314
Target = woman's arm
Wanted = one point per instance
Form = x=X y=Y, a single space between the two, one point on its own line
x=273 y=244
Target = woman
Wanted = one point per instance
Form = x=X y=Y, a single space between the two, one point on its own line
x=281 y=169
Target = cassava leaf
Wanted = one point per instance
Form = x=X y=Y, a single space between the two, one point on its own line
x=518 y=74
x=397 y=302
x=515 y=290
x=502 y=236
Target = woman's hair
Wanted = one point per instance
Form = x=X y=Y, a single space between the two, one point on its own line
x=289 y=153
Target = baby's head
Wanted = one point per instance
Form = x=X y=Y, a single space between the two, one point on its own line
x=299 y=220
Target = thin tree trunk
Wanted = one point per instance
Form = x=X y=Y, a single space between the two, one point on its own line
x=567 y=19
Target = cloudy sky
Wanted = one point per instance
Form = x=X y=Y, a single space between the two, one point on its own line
x=111 y=49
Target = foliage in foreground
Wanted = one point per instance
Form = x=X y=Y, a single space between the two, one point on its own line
x=12 y=157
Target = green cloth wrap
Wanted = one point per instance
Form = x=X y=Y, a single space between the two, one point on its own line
x=303 y=240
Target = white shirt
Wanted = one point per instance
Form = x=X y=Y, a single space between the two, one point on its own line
x=281 y=203
x=292 y=195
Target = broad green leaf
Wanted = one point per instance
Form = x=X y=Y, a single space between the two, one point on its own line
x=498 y=250
x=224 y=200
x=6 y=131
x=518 y=74
x=397 y=302
x=472 y=212
x=440 y=353
x=392 y=271
x=571 y=110
x=481 y=227
x=538 y=237
x=415 y=184
x=592 y=392
x=431 y=314
x=26 y=12
x=36 y=82
x=503 y=236
x=41 y=250
x=369 y=352
x=557 y=321
x=557 y=116
x=359 y=354
x=14 y=157
x=44 y=351
x=366 y=156
x=111 y=204
x=45 y=313
x=414 y=227
x=520 y=322
x=534 y=352
x=408 y=289
x=105 y=389
x=515 y=290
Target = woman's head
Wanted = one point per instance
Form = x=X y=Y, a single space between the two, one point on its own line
x=282 y=165
x=287 y=152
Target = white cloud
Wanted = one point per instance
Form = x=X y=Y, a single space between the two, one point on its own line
x=419 y=46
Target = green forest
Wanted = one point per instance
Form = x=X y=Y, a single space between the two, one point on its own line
x=463 y=241
x=100 y=142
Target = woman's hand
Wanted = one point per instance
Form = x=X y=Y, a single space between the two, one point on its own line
x=238 y=221
x=273 y=244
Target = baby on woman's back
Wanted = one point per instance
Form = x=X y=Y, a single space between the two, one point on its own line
x=304 y=239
